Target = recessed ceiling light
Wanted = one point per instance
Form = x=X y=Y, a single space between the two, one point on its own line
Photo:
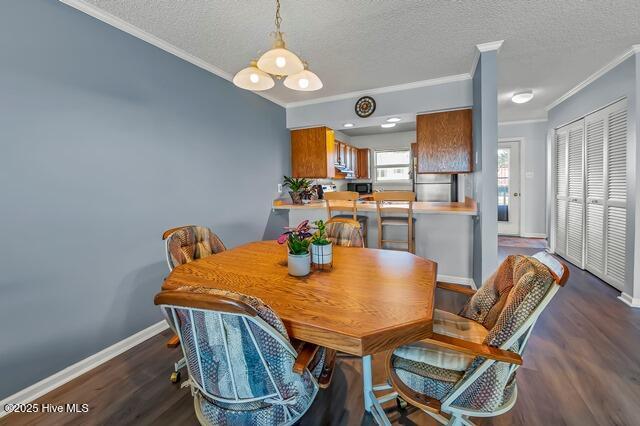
x=393 y=119
x=522 y=97
x=348 y=124
x=388 y=125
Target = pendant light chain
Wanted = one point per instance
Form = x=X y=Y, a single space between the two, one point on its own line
x=278 y=19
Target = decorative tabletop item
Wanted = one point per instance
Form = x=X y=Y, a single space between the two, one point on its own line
x=298 y=188
x=365 y=106
x=298 y=240
x=321 y=247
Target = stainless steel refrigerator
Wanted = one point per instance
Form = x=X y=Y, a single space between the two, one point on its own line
x=436 y=187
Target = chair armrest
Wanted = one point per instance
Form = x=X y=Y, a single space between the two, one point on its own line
x=475 y=349
x=457 y=288
x=305 y=355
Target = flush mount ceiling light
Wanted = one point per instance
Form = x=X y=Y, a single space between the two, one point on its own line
x=348 y=125
x=393 y=119
x=522 y=97
x=388 y=125
x=278 y=62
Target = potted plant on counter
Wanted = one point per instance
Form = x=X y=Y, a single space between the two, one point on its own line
x=321 y=247
x=298 y=240
x=297 y=188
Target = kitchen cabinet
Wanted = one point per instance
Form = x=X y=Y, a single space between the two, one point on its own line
x=363 y=156
x=445 y=143
x=313 y=153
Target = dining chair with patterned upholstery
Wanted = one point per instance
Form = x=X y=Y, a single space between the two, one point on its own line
x=185 y=244
x=188 y=243
x=243 y=368
x=349 y=200
x=346 y=234
x=467 y=368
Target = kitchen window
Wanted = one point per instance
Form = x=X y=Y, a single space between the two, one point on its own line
x=393 y=166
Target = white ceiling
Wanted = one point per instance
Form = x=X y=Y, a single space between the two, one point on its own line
x=550 y=45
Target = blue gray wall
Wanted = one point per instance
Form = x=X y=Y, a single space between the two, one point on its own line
x=485 y=176
x=106 y=142
x=621 y=81
x=533 y=186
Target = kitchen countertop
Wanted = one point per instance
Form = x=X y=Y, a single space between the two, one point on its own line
x=468 y=208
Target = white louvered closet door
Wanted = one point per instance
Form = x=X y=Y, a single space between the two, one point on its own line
x=595 y=134
x=561 y=190
x=575 y=204
x=615 y=202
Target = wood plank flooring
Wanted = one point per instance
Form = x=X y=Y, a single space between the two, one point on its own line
x=582 y=367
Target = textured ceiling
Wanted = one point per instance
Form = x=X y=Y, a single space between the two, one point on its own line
x=354 y=45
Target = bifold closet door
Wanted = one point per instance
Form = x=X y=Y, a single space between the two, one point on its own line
x=575 y=202
x=606 y=193
x=561 y=191
x=595 y=125
x=616 y=195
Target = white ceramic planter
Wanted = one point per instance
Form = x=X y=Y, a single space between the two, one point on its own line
x=322 y=255
x=299 y=264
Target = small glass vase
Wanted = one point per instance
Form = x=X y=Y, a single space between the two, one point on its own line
x=299 y=265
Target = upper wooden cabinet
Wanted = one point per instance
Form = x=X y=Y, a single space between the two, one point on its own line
x=313 y=153
x=363 y=156
x=445 y=142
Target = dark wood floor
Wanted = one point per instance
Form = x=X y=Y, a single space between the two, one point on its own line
x=582 y=367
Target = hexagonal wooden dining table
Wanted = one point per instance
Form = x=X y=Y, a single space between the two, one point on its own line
x=370 y=300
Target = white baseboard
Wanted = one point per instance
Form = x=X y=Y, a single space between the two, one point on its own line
x=457 y=280
x=533 y=235
x=634 y=302
x=50 y=383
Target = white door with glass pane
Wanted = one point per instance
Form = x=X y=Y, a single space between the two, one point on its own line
x=509 y=195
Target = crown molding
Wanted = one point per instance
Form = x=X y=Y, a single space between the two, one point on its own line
x=596 y=75
x=481 y=48
x=535 y=120
x=386 y=89
x=137 y=32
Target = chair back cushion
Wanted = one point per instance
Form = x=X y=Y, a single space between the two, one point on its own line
x=192 y=242
x=231 y=356
x=531 y=281
x=345 y=233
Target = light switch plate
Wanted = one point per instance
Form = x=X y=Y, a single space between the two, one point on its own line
x=279 y=188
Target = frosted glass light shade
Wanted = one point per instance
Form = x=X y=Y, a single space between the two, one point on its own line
x=252 y=78
x=280 y=61
x=305 y=81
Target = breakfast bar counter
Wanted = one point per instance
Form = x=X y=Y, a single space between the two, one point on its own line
x=468 y=208
x=443 y=231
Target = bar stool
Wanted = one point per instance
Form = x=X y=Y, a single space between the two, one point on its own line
x=395 y=202
x=349 y=197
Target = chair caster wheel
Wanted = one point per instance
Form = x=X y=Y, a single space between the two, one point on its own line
x=401 y=403
x=175 y=377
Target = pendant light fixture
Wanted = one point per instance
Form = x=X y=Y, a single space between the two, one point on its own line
x=278 y=62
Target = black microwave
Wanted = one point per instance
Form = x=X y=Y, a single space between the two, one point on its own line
x=360 y=188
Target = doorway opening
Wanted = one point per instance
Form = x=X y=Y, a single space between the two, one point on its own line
x=509 y=191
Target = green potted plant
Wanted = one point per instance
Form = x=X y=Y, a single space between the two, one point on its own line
x=298 y=240
x=321 y=247
x=297 y=188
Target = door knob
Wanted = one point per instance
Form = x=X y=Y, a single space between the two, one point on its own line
x=515 y=194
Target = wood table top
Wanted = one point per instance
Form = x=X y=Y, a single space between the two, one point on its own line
x=372 y=300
